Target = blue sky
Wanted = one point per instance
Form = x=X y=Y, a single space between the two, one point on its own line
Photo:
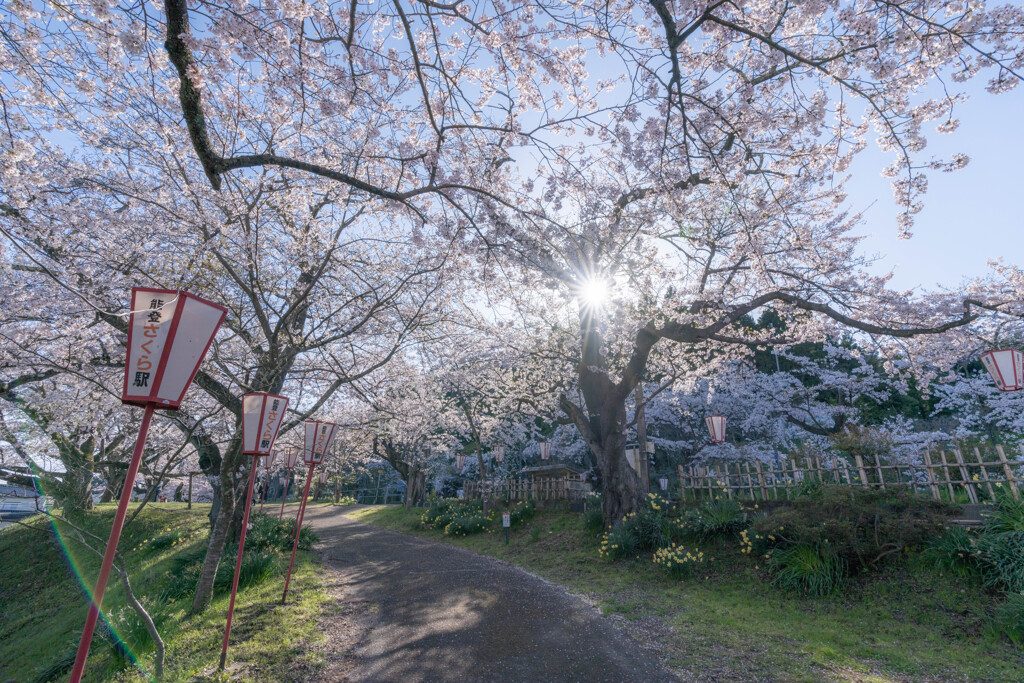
x=969 y=216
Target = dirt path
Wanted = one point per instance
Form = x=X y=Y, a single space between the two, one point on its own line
x=409 y=610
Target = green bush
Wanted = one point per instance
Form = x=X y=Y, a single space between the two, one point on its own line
x=441 y=513
x=955 y=550
x=1001 y=560
x=593 y=520
x=268 y=533
x=167 y=539
x=1008 y=619
x=859 y=526
x=619 y=542
x=257 y=566
x=677 y=561
x=521 y=513
x=1007 y=514
x=713 y=519
x=126 y=630
x=464 y=525
x=807 y=569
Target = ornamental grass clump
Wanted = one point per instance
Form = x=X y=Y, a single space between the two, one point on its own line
x=713 y=519
x=677 y=561
x=521 y=513
x=807 y=569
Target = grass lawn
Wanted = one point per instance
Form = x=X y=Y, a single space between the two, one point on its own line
x=726 y=623
x=43 y=607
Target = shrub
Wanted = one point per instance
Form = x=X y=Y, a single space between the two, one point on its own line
x=169 y=538
x=619 y=542
x=1007 y=514
x=859 y=526
x=807 y=569
x=1001 y=560
x=1008 y=619
x=521 y=513
x=269 y=533
x=713 y=519
x=593 y=520
x=347 y=500
x=467 y=524
x=441 y=513
x=955 y=550
x=126 y=631
x=677 y=561
x=257 y=566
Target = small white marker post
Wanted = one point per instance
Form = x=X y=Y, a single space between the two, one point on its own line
x=506 y=521
x=663 y=482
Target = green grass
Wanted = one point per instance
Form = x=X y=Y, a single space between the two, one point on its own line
x=43 y=608
x=909 y=622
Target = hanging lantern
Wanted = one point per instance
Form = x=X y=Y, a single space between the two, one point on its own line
x=323 y=476
x=168 y=336
x=499 y=454
x=663 y=483
x=460 y=462
x=545 y=449
x=650 y=447
x=283 y=480
x=1006 y=366
x=319 y=437
x=716 y=427
x=262 y=415
x=273 y=457
x=291 y=456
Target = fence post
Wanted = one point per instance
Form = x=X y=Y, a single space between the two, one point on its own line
x=1008 y=472
x=863 y=472
x=972 y=494
x=984 y=473
x=931 y=475
x=949 y=479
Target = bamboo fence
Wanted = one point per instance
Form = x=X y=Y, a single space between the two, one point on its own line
x=540 y=491
x=962 y=474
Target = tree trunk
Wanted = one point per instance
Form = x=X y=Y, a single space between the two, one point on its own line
x=215 y=548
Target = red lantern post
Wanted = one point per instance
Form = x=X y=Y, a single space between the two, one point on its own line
x=262 y=415
x=169 y=333
x=318 y=439
x=1006 y=366
x=291 y=457
x=716 y=427
x=268 y=461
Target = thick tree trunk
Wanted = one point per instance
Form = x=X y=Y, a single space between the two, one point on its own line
x=215 y=548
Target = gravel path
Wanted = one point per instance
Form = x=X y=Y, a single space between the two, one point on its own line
x=410 y=610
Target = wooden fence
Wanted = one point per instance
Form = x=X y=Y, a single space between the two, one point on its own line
x=955 y=474
x=540 y=491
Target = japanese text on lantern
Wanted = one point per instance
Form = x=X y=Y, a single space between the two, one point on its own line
x=320 y=445
x=268 y=426
x=150 y=330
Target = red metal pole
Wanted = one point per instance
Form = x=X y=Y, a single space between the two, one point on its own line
x=298 y=529
x=238 y=565
x=284 y=496
x=266 y=483
x=108 y=556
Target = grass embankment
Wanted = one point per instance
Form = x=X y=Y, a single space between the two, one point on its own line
x=724 y=622
x=43 y=606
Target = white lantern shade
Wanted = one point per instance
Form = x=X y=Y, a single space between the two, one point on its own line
x=291 y=456
x=545 y=450
x=716 y=427
x=169 y=333
x=262 y=415
x=663 y=482
x=1006 y=366
x=460 y=461
x=273 y=457
x=650 y=447
x=319 y=437
x=499 y=454
x=323 y=477
x=632 y=457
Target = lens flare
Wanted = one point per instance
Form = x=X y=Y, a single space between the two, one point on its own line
x=593 y=292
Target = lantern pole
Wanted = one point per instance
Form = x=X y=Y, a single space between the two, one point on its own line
x=266 y=482
x=284 y=496
x=112 y=541
x=238 y=564
x=298 y=527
